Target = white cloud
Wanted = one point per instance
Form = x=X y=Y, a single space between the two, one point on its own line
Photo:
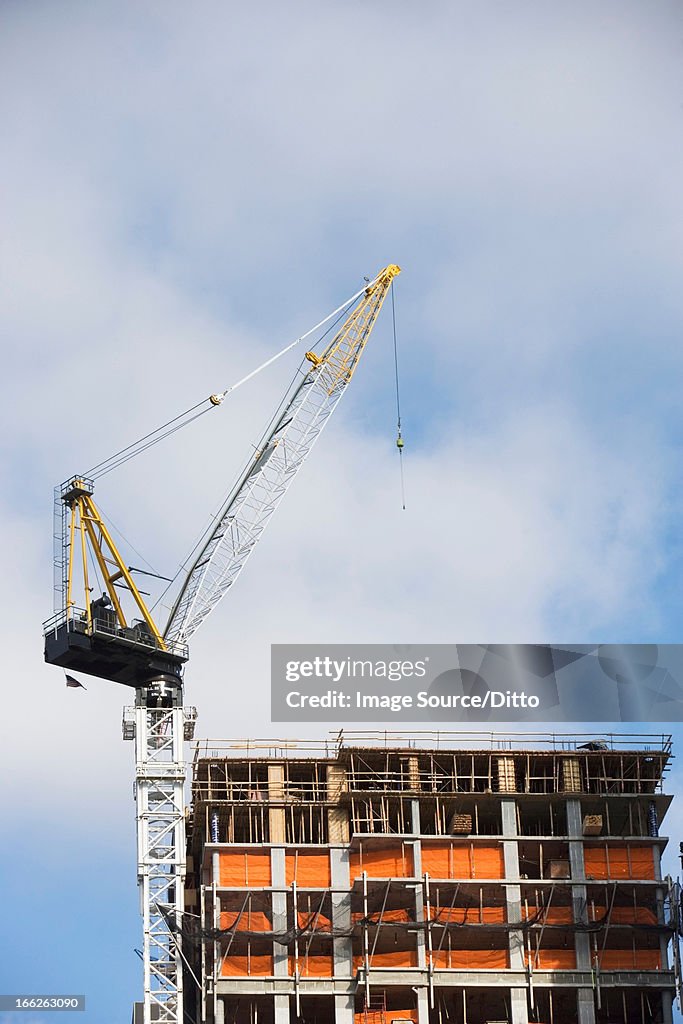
x=185 y=189
x=525 y=532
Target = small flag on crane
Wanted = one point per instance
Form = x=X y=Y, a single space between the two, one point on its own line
x=73 y=682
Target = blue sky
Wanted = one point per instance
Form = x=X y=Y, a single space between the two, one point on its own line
x=184 y=189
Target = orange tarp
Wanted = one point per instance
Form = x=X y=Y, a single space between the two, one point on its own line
x=313 y=966
x=246 y=966
x=553 y=915
x=630 y=960
x=388 y=916
x=462 y=860
x=552 y=959
x=445 y=860
x=470 y=959
x=595 y=861
x=244 y=869
x=362 y=1018
x=642 y=862
x=394 y=862
x=469 y=915
x=399 y=959
x=310 y=869
x=488 y=862
x=310 y=919
x=619 y=862
x=626 y=915
x=250 y=921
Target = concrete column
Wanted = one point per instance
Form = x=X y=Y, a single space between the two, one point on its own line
x=574 y=817
x=667 y=1007
x=582 y=942
x=657 y=858
x=422 y=1006
x=422 y=995
x=663 y=939
x=344 y=1008
x=575 y=833
x=585 y=1006
x=415 y=817
x=513 y=893
x=279 y=897
x=508 y=817
x=281 y=1007
x=218 y=1005
x=419 y=905
x=515 y=935
x=518 y=1006
x=341 y=919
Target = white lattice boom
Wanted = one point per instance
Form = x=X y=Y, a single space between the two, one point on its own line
x=276 y=463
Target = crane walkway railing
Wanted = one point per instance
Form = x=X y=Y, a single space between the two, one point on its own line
x=75 y=620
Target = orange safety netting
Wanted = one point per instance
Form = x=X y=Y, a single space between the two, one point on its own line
x=553 y=915
x=388 y=916
x=462 y=860
x=552 y=959
x=310 y=869
x=619 y=862
x=313 y=966
x=470 y=959
x=244 y=869
x=468 y=915
x=249 y=921
x=625 y=915
x=630 y=960
x=311 y=919
x=248 y=966
x=395 y=862
x=396 y=958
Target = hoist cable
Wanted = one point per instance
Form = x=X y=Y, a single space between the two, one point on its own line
x=398 y=395
x=213 y=401
x=399 y=438
x=300 y=372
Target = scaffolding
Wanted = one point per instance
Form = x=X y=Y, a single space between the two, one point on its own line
x=364 y=884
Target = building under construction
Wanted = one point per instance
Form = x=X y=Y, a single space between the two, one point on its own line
x=430 y=878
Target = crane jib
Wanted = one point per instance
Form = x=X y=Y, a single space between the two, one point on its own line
x=280 y=455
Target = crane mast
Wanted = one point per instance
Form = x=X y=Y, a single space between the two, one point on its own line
x=97 y=637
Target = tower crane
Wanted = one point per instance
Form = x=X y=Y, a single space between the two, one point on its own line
x=103 y=638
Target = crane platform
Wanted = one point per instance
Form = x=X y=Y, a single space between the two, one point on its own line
x=123 y=655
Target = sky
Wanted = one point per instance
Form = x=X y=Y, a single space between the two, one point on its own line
x=185 y=189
